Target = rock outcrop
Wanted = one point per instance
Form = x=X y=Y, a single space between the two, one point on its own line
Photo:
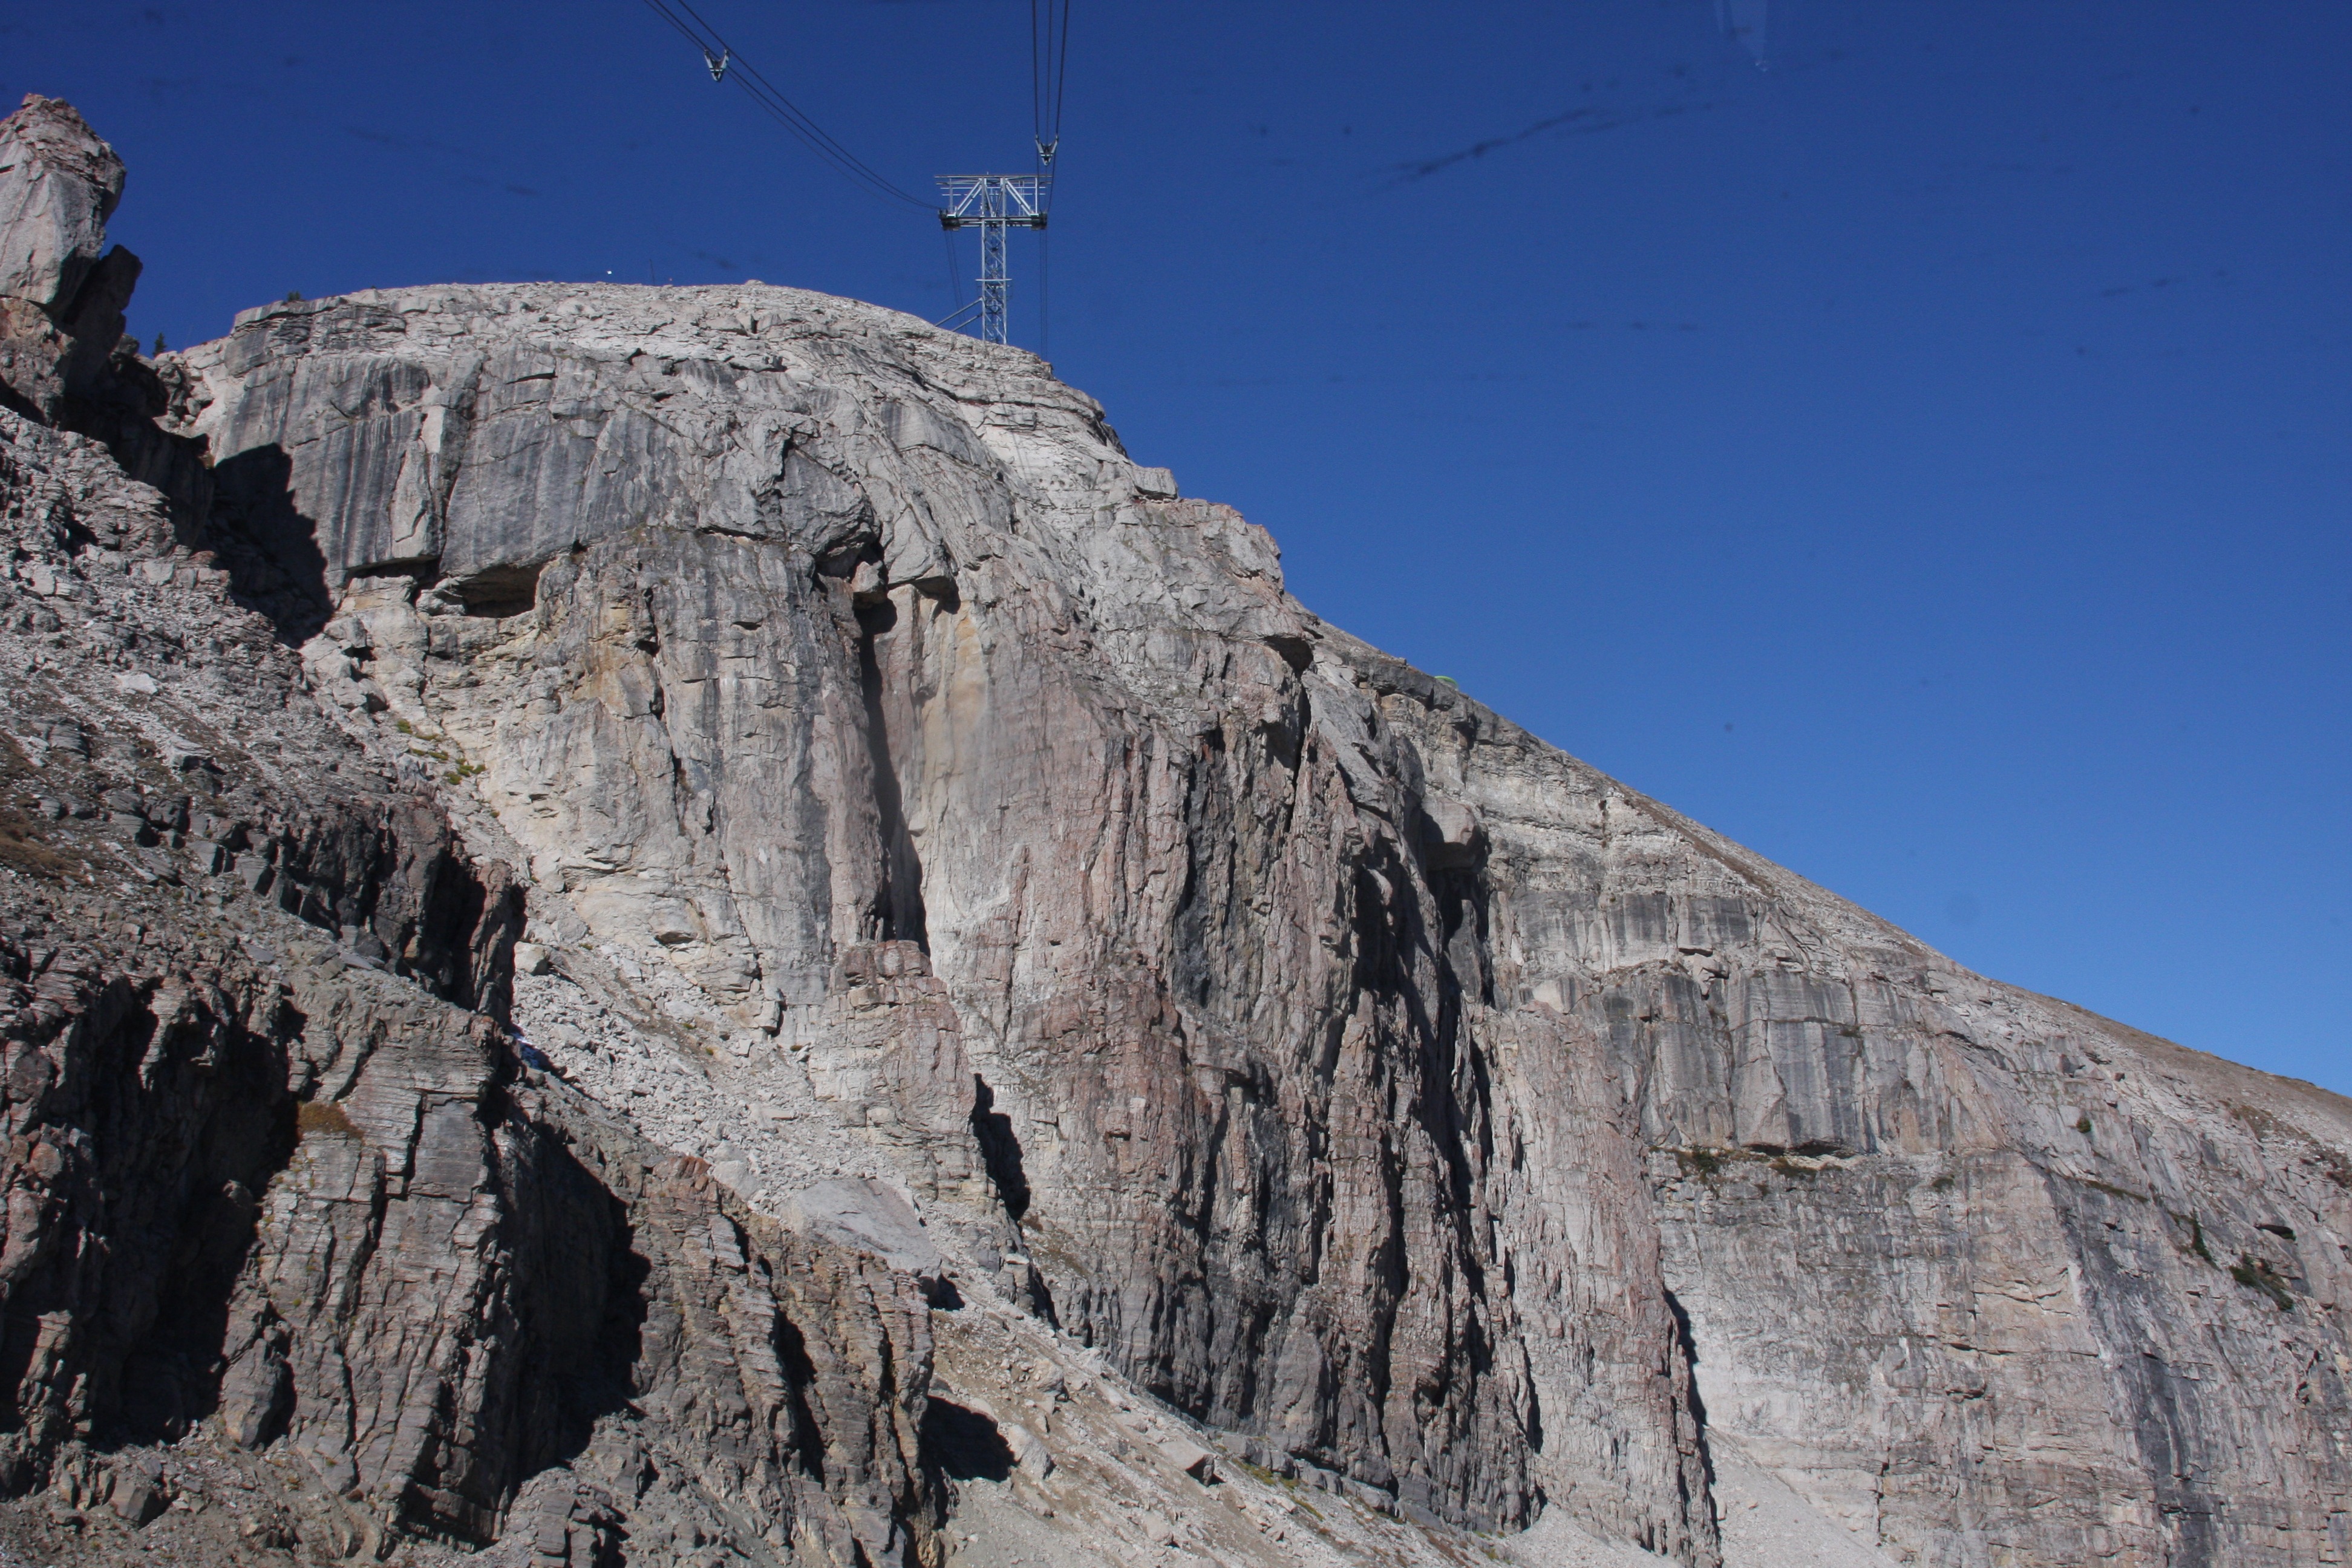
x=275 y=1168
x=62 y=293
x=974 y=911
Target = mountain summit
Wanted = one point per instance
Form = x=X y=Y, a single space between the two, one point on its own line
x=697 y=926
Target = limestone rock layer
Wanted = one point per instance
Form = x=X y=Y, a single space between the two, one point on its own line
x=966 y=901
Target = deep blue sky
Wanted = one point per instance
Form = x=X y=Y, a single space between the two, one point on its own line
x=1925 y=457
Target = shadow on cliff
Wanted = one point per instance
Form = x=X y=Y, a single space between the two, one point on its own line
x=1000 y=1149
x=164 y=1103
x=1393 y=946
x=269 y=548
x=581 y=1287
x=963 y=1445
x=17 y=404
x=898 y=913
x=575 y=1297
x=118 y=404
x=1697 y=1406
x=188 y=1123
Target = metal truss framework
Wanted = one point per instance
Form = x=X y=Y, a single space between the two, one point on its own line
x=992 y=203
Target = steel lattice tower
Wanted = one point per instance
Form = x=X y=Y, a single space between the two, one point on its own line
x=992 y=203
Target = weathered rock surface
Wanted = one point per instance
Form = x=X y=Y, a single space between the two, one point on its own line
x=61 y=292
x=58 y=184
x=976 y=913
x=1365 y=1076
x=275 y=1178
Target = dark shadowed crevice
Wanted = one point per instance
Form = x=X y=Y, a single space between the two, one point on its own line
x=963 y=1443
x=1689 y=1348
x=269 y=548
x=999 y=1150
x=581 y=1285
x=1205 y=911
x=897 y=914
x=498 y=592
x=17 y=404
x=806 y=1444
x=118 y=403
x=163 y=1374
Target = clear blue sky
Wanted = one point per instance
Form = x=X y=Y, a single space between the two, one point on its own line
x=1925 y=455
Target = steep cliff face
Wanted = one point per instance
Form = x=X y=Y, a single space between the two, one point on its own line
x=998 y=962
x=290 y=1228
x=1364 y=1075
x=1965 y=1265
x=273 y=1177
x=787 y=633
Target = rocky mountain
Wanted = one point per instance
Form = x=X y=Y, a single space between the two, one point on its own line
x=696 y=925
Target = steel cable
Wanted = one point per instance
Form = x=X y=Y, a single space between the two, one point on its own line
x=1049 y=71
x=723 y=57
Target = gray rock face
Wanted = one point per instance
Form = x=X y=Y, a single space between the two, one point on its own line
x=868 y=1216
x=277 y=1197
x=61 y=300
x=1363 y=1075
x=64 y=359
x=988 y=940
x=58 y=184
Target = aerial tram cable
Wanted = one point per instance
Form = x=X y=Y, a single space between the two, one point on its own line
x=725 y=62
x=986 y=201
x=782 y=110
x=1049 y=72
x=957 y=316
x=994 y=203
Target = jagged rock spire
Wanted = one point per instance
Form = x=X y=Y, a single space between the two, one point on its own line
x=62 y=293
x=58 y=184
